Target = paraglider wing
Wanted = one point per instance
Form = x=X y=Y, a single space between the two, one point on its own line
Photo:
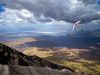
x=75 y=24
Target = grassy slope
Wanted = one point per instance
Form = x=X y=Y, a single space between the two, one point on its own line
x=61 y=58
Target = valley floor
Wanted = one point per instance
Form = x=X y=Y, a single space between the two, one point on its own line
x=79 y=59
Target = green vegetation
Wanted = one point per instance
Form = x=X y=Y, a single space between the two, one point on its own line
x=83 y=65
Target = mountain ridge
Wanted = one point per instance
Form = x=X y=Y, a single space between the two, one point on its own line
x=9 y=56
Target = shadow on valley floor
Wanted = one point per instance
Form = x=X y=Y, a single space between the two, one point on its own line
x=89 y=43
x=86 y=42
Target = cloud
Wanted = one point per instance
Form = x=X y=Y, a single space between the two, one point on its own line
x=88 y=1
x=60 y=10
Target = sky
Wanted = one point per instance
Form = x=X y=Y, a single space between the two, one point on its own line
x=51 y=13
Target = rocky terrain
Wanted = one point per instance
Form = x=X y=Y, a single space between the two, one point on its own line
x=16 y=63
x=30 y=70
x=9 y=56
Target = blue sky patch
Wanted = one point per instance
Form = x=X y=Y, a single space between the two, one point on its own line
x=98 y=1
x=1 y=7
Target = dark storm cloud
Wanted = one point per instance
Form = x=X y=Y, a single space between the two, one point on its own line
x=66 y=10
x=88 y=1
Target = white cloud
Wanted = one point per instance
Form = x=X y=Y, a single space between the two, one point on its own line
x=1 y=20
x=26 y=13
x=52 y=11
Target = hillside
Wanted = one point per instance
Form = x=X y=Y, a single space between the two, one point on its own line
x=13 y=62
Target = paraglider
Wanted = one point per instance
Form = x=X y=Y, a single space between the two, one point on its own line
x=87 y=18
x=76 y=23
